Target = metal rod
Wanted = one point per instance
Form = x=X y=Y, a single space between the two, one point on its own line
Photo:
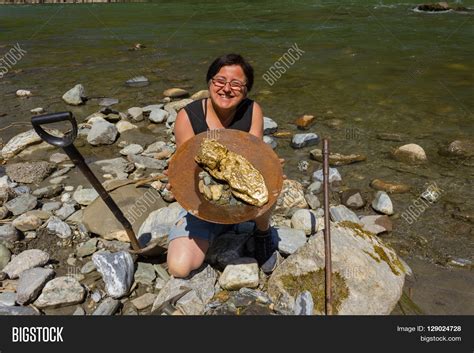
x=79 y=161
x=327 y=231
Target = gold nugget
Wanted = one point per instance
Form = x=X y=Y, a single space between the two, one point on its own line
x=245 y=181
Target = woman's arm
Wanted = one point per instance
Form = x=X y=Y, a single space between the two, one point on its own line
x=183 y=129
x=256 y=128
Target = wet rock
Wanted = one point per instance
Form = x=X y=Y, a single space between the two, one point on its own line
x=272 y=263
x=149 y=108
x=242 y=272
x=38 y=110
x=353 y=198
x=109 y=306
x=137 y=81
x=303 y=140
x=291 y=196
x=368 y=277
x=59 y=228
x=29 y=172
x=23 y=93
x=289 y=239
x=304 y=122
x=177 y=105
x=155 y=147
x=144 y=301
x=123 y=126
x=48 y=191
x=382 y=203
x=17 y=310
x=304 y=304
x=7 y=299
x=27 y=222
x=119 y=167
x=145 y=274
x=51 y=206
x=5 y=256
x=9 y=233
x=107 y=102
x=65 y=211
x=269 y=126
x=135 y=203
x=226 y=248
x=158 y=116
x=313 y=201
x=307 y=221
x=269 y=140
x=102 y=133
x=341 y=213
x=75 y=96
x=87 y=248
x=116 y=270
x=376 y=224
x=202 y=282
x=58 y=158
x=19 y=142
x=459 y=148
x=21 y=204
x=135 y=113
x=31 y=283
x=24 y=261
x=333 y=175
x=200 y=94
x=61 y=291
x=390 y=187
x=131 y=149
x=386 y=136
x=175 y=93
x=147 y=162
x=411 y=154
x=337 y=159
x=85 y=196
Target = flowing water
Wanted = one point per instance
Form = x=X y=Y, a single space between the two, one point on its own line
x=363 y=69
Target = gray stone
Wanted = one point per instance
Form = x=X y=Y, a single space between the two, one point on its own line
x=303 y=140
x=65 y=211
x=171 y=118
x=333 y=175
x=242 y=272
x=155 y=147
x=138 y=81
x=61 y=291
x=144 y=301
x=271 y=141
x=75 y=96
x=124 y=125
x=88 y=267
x=87 y=248
x=382 y=203
x=17 y=310
x=304 y=304
x=4 y=212
x=102 y=133
x=158 y=116
x=59 y=228
x=117 y=271
x=27 y=221
x=149 y=108
x=313 y=201
x=368 y=277
x=307 y=221
x=202 y=282
x=21 y=204
x=116 y=166
x=269 y=126
x=353 y=199
x=5 y=256
x=272 y=263
x=61 y=172
x=145 y=273
x=9 y=233
x=226 y=248
x=22 y=189
x=7 y=298
x=148 y=162
x=31 y=283
x=289 y=240
x=107 y=102
x=411 y=154
x=29 y=172
x=85 y=196
x=341 y=213
x=51 y=206
x=135 y=113
x=58 y=158
x=108 y=307
x=131 y=149
x=376 y=224
x=315 y=187
x=48 y=191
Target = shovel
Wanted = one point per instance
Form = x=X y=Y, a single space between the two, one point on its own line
x=66 y=143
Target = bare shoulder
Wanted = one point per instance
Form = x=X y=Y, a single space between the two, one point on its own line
x=257 y=120
x=183 y=129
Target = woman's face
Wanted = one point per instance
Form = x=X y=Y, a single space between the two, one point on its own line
x=229 y=94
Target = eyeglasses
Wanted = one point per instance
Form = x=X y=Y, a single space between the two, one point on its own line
x=235 y=85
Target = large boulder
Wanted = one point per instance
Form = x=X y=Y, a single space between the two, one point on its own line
x=367 y=276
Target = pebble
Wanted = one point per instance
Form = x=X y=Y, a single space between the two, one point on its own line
x=59 y=228
x=314 y=188
x=175 y=93
x=88 y=267
x=306 y=221
x=131 y=149
x=7 y=298
x=102 y=133
x=411 y=154
x=124 y=125
x=65 y=211
x=377 y=223
x=75 y=96
x=51 y=206
x=303 y=140
x=27 y=222
x=272 y=263
x=137 y=81
x=48 y=191
x=23 y=93
x=352 y=198
x=289 y=239
x=5 y=256
x=312 y=201
x=341 y=213
x=135 y=113
x=271 y=141
x=38 y=110
x=242 y=272
x=87 y=248
x=382 y=203
x=269 y=126
x=24 y=261
x=85 y=196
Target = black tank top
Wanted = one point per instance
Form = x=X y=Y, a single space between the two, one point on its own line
x=242 y=118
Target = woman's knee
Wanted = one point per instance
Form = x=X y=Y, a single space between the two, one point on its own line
x=180 y=266
x=185 y=255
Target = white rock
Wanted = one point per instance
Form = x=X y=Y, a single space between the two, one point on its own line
x=289 y=240
x=124 y=125
x=382 y=203
x=307 y=221
x=23 y=93
x=240 y=273
x=131 y=149
x=117 y=271
x=102 y=133
x=135 y=113
x=75 y=96
x=158 y=116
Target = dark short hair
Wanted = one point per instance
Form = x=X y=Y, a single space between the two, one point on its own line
x=231 y=59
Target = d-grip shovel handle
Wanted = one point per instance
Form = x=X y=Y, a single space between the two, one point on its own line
x=68 y=137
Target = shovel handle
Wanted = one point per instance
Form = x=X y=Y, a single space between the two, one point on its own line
x=68 y=137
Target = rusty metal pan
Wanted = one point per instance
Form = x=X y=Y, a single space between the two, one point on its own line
x=183 y=176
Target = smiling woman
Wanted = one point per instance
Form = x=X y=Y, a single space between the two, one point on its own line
x=230 y=78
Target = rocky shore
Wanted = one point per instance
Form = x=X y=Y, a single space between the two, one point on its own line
x=61 y=250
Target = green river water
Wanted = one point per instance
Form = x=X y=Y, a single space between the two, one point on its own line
x=375 y=66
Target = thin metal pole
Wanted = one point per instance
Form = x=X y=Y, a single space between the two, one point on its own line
x=327 y=231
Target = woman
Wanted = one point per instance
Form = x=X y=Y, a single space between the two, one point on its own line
x=230 y=78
